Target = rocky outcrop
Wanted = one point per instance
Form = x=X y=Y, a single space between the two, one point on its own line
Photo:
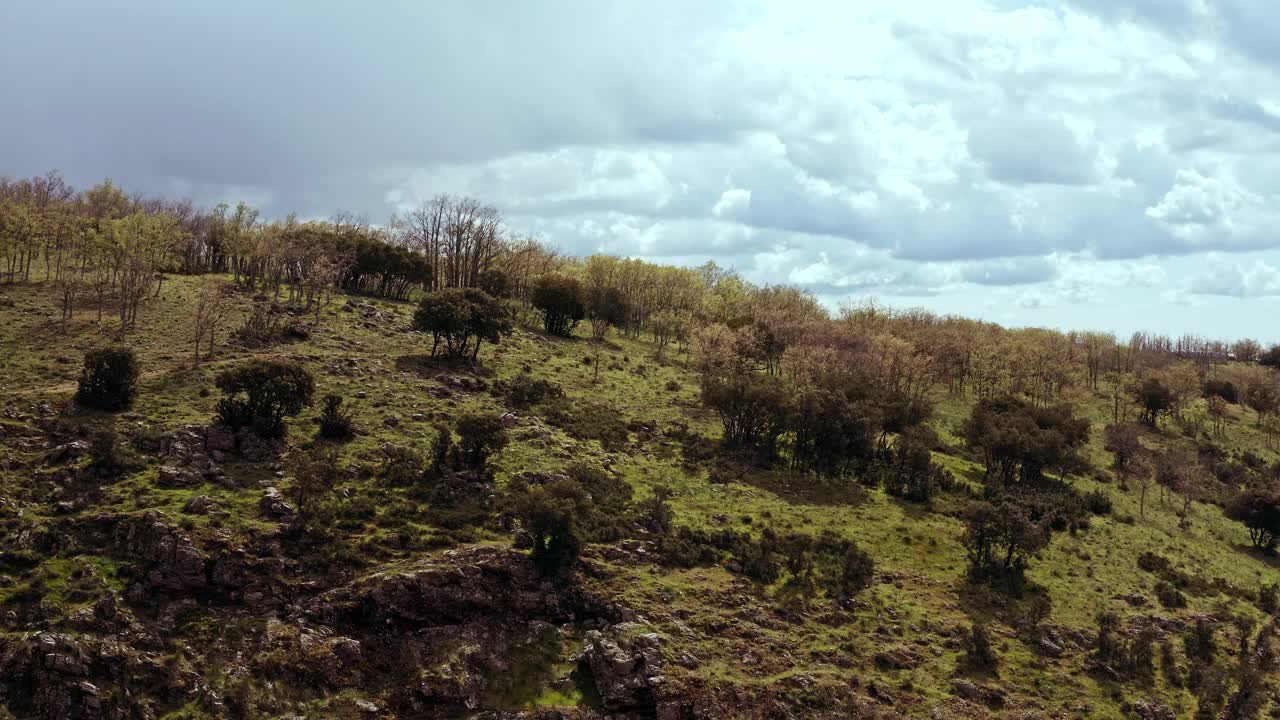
x=51 y=675
x=627 y=668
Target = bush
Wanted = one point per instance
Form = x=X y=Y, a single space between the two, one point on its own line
x=107 y=457
x=463 y=318
x=1098 y=502
x=334 y=423
x=109 y=378
x=481 y=435
x=261 y=393
x=1169 y=596
x=559 y=299
x=401 y=465
x=261 y=328
x=551 y=514
x=524 y=391
x=978 y=653
x=1224 y=389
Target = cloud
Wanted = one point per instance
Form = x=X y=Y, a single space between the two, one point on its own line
x=1029 y=149
x=1234 y=279
x=1059 y=154
x=1018 y=271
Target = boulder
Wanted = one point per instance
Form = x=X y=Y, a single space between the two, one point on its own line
x=627 y=670
x=274 y=505
x=199 y=505
x=66 y=453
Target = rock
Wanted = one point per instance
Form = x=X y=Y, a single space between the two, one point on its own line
x=993 y=698
x=65 y=453
x=219 y=438
x=199 y=505
x=1050 y=648
x=171 y=560
x=366 y=706
x=173 y=477
x=391 y=421
x=627 y=671
x=274 y=505
x=1151 y=710
x=897 y=659
x=509 y=420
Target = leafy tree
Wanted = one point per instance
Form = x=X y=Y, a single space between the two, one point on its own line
x=1020 y=441
x=1270 y=358
x=481 y=435
x=109 y=379
x=606 y=307
x=1155 y=399
x=462 y=317
x=830 y=435
x=1263 y=397
x=261 y=393
x=752 y=408
x=494 y=282
x=1122 y=441
x=999 y=540
x=559 y=299
x=550 y=514
x=912 y=473
x=1259 y=510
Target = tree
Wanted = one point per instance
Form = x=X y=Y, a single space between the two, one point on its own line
x=1155 y=399
x=109 y=379
x=334 y=423
x=1263 y=397
x=495 y=283
x=999 y=540
x=212 y=308
x=1019 y=441
x=1270 y=358
x=1258 y=509
x=559 y=299
x=261 y=393
x=1219 y=413
x=1122 y=441
x=606 y=308
x=464 y=318
x=481 y=435
x=551 y=514
x=830 y=435
x=752 y=409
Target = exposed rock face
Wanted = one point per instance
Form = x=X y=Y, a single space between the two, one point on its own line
x=51 y=675
x=168 y=558
x=628 y=670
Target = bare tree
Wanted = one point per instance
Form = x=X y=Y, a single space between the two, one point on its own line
x=212 y=308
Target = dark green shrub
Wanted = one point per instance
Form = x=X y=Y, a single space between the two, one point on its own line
x=261 y=393
x=480 y=436
x=463 y=318
x=334 y=423
x=588 y=421
x=524 y=391
x=978 y=652
x=109 y=378
x=1098 y=502
x=551 y=514
x=1169 y=596
x=559 y=299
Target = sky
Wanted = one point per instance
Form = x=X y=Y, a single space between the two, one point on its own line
x=1087 y=164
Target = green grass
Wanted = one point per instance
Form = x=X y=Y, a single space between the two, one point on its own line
x=739 y=632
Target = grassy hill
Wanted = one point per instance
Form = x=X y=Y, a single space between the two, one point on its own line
x=731 y=646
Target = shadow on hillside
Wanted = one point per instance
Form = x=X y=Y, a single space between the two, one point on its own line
x=423 y=365
x=807 y=489
x=1270 y=558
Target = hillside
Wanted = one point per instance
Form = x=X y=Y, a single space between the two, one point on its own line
x=180 y=586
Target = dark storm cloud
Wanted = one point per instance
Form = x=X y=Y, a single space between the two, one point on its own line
x=312 y=102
